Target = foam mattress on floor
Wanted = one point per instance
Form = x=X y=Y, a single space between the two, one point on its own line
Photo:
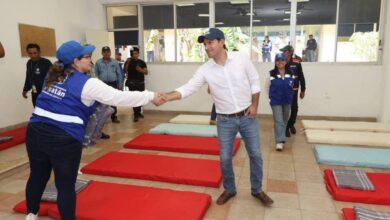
x=190 y=171
x=369 y=139
x=191 y=119
x=186 y=129
x=352 y=156
x=177 y=143
x=348 y=213
x=18 y=137
x=380 y=196
x=346 y=125
x=100 y=200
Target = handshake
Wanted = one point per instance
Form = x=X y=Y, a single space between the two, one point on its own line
x=160 y=98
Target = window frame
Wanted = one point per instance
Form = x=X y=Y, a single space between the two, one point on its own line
x=211 y=3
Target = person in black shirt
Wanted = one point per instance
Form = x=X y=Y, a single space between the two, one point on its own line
x=37 y=68
x=136 y=70
x=294 y=65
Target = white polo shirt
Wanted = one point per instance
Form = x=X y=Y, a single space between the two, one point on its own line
x=231 y=85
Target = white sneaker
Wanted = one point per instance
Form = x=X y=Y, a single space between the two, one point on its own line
x=279 y=146
x=31 y=216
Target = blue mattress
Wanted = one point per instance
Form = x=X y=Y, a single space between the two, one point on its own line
x=186 y=129
x=352 y=156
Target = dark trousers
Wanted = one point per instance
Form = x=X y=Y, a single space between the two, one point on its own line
x=136 y=86
x=294 y=110
x=213 y=115
x=34 y=97
x=50 y=148
x=113 y=84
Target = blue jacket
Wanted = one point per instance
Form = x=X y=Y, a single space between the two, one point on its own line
x=61 y=106
x=281 y=90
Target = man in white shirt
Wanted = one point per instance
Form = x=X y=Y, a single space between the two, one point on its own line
x=235 y=88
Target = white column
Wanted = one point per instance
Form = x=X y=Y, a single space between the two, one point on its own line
x=293 y=22
x=212 y=13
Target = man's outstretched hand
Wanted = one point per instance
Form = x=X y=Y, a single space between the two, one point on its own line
x=159 y=98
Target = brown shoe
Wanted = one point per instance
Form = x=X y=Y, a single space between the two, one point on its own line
x=213 y=122
x=224 y=197
x=264 y=198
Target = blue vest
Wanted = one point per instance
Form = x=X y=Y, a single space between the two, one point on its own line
x=61 y=106
x=281 y=90
x=266 y=47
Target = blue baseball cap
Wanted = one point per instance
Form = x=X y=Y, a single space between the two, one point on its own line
x=281 y=57
x=211 y=34
x=71 y=50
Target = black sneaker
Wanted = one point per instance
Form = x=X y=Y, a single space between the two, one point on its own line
x=135 y=119
x=115 y=120
x=141 y=115
x=105 y=136
x=293 y=130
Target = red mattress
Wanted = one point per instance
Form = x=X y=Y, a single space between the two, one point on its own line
x=381 y=195
x=348 y=214
x=176 y=143
x=100 y=200
x=19 y=136
x=200 y=172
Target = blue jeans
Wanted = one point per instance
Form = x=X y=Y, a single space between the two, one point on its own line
x=281 y=115
x=227 y=128
x=310 y=56
x=50 y=148
x=266 y=57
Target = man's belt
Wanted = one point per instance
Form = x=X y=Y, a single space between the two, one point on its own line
x=237 y=114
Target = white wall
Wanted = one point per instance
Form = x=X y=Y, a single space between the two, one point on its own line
x=69 y=18
x=385 y=111
x=348 y=90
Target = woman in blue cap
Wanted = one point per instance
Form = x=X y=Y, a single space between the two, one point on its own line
x=280 y=96
x=56 y=129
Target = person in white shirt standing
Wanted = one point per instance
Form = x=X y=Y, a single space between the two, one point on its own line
x=235 y=88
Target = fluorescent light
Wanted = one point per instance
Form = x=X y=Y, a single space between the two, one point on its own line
x=219 y=23
x=185 y=4
x=287 y=12
x=257 y=20
x=203 y=15
x=300 y=0
x=237 y=2
x=286 y=19
x=249 y=14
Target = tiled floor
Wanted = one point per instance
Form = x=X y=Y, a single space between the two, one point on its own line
x=291 y=177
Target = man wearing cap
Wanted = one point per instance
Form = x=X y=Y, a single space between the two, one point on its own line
x=235 y=89
x=109 y=71
x=294 y=65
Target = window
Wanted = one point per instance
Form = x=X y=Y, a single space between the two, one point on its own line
x=358 y=35
x=316 y=30
x=320 y=34
x=159 y=33
x=234 y=21
x=121 y=17
x=271 y=19
x=125 y=41
x=192 y=21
